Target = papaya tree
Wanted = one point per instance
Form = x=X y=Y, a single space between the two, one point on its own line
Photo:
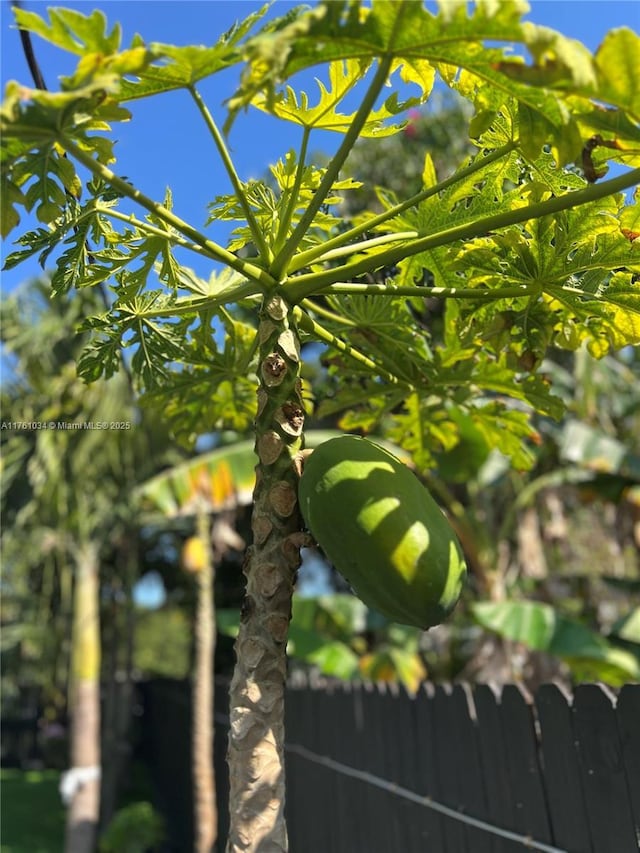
x=208 y=489
x=527 y=236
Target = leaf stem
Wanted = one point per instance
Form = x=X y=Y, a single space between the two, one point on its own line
x=305 y=323
x=317 y=252
x=440 y=292
x=373 y=243
x=214 y=251
x=285 y=220
x=283 y=257
x=308 y=305
x=223 y=151
x=131 y=219
x=188 y=305
x=299 y=287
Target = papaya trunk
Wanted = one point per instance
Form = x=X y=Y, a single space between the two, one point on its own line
x=83 y=779
x=206 y=815
x=256 y=738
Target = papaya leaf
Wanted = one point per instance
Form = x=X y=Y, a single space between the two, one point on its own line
x=155 y=251
x=343 y=77
x=506 y=430
x=266 y=54
x=72 y=31
x=270 y=204
x=31 y=122
x=41 y=240
x=73 y=263
x=565 y=262
x=181 y=67
x=618 y=64
x=211 y=387
x=463 y=461
x=421 y=428
x=449 y=40
x=610 y=319
x=10 y=196
x=43 y=179
x=87 y=37
x=102 y=356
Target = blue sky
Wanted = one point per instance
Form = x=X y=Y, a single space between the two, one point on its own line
x=167 y=144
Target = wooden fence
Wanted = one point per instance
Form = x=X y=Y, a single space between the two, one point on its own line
x=561 y=773
x=453 y=770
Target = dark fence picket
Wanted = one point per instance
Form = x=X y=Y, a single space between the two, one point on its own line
x=603 y=773
x=317 y=831
x=522 y=751
x=378 y=737
x=348 y=824
x=409 y=771
x=388 y=748
x=628 y=715
x=328 y=801
x=565 y=797
x=472 y=800
x=449 y=763
x=495 y=770
x=432 y=824
x=357 y=756
x=220 y=742
x=167 y=748
x=295 y=723
x=394 y=708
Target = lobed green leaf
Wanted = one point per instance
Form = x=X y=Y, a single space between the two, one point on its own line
x=72 y=31
x=344 y=75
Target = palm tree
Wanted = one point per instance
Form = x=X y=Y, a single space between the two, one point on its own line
x=70 y=484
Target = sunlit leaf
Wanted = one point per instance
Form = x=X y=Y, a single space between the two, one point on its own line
x=344 y=75
x=72 y=31
x=182 y=66
x=618 y=64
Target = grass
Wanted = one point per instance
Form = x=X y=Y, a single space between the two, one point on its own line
x=32 y=812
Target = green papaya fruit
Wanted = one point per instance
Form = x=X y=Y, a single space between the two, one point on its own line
x=382 y=530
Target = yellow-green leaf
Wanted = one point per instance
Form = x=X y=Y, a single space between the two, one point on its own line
x=618 y=62
x=325 y=115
